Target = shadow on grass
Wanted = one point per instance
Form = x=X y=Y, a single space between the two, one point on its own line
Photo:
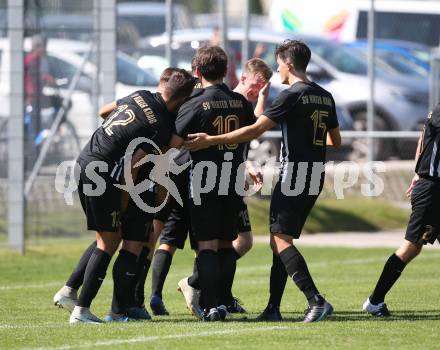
x=344 y=316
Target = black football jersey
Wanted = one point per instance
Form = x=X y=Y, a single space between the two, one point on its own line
x=305 y=112
x=428 y=164
x=141 y=114
x=216 y=110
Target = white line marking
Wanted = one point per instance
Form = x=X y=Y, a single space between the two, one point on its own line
x=157 y=338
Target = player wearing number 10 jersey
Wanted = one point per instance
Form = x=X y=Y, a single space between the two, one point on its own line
x=306 y=114
x=214 y=203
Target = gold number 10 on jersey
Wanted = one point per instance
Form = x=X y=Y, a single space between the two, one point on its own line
x=225 y=125
x=319 y=126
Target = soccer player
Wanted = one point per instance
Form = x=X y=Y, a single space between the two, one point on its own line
x=214 y=203
x=306 y=114
x=141 y=114
x=135 y=220
x=255 y=77
x=424 y=222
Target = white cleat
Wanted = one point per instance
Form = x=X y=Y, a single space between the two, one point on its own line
x=66 y=298
x=192 y=297
x=83 y=315
x=379 y=310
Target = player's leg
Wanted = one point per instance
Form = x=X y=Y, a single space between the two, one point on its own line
x=135 y=228
x=287 y=217
x=144 y=263
x=172 y=236
x=242 y=244
x=277 y=283
x=67 y=296
x=228 y=265
x=107 y=243
x=391 y=272
x=423 y=228
x=208 y=266
x=161 y=265
x=124 y=274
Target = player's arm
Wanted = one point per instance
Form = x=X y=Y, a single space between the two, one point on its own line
x=105 y=110
x=201 y=140
x=262 y=99
x=334 y=138
x=137 y=156
x=416 y=177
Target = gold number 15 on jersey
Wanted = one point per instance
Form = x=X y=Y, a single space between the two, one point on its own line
x=225 y=125
x=320 y=128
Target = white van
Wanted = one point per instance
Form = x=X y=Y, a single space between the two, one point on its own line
x=346 y=20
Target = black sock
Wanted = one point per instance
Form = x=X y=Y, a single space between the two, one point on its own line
x=193 y=280
x=143 y=266
x=228 y=264
x=237 y=255
x=390 y=274
x=297 y=269
x=76 y=279
x=209 y=277
x=161 y=265
x=124 y=273
x=278 y=279
x=93 y=276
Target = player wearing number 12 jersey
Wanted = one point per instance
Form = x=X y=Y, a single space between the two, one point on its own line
x=306 y=114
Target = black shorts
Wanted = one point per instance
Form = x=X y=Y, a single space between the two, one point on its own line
x=216 y=217
x=424 y=222
x=135 y=222
x=177 y=225
x=102 y=211
x=288 y=214
x=244 y=224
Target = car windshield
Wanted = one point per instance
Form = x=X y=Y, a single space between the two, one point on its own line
x=343 y=59
x=402 y=64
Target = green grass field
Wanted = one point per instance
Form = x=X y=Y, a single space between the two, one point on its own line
x=345 y=276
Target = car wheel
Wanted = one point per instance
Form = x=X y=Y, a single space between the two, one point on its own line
x=382 y=148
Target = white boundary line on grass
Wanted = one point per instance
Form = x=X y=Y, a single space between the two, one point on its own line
x=155 y=338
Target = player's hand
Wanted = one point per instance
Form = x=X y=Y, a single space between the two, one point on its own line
x=257 y=179
x=264 y=92
x=411 y=186
x=196 y=142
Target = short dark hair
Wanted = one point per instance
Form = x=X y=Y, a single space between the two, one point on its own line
x=166 y=74
x=180 y=83
x=212 y=62
x=295 y=52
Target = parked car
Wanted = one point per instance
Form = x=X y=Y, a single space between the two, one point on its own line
x=65 y=58
x=406 y=57
x=400 y=103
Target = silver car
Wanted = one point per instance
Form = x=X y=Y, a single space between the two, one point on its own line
x=401 y=103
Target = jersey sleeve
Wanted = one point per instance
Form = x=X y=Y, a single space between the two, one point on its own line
x=184 y=120
x=281 y=106
x=333 y=120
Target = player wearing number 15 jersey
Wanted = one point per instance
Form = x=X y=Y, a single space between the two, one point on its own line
x=306 y=114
